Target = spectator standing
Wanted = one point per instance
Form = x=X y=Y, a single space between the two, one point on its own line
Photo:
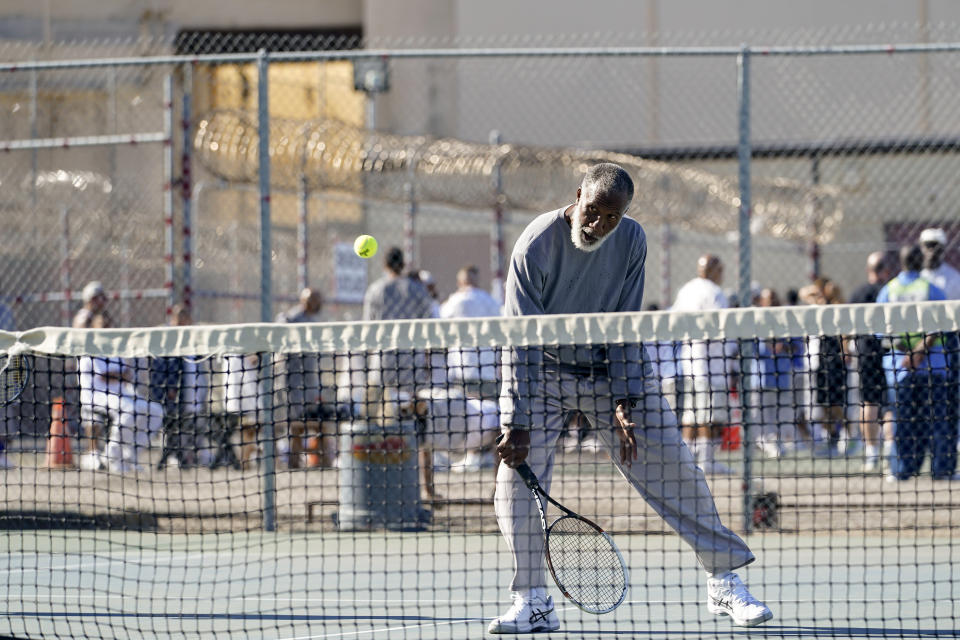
x=926 y=391
x=828 y=363
x=774 y=413
x=300 y=403
x=182 y=387
x=933 y=243
x=871 y=385
x=396 y=297
x=431 y=285
x=705 y=368
x=94 y=304
x=472 y=367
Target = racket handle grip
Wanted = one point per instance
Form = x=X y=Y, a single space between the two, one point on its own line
x=529 y=477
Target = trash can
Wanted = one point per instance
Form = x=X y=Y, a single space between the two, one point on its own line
x=379 y=477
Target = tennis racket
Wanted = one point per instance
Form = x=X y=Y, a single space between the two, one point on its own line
x=582 y=558
x=14 y=373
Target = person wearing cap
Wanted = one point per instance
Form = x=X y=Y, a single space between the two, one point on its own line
x=94 y=305
x=300 y=402
x=431 y=284
x=933 y=243
x=918 y=370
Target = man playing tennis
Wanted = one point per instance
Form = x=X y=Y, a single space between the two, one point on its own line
x=586 y=258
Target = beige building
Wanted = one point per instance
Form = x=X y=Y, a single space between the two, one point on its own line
x=654 y=106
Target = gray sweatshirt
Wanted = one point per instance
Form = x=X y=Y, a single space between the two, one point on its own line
x=548 y=275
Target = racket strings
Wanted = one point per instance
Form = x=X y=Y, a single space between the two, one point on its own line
x=13 y=376
x=585 y=564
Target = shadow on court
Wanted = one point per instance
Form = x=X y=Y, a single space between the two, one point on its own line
x=57 y=520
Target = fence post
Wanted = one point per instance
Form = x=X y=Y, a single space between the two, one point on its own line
x=263 y=130
x=496 y=237
x=410 y=226
x=186 y=183
x=266 y=311
x=303 y=234
x=743 y=161
x=168 y=188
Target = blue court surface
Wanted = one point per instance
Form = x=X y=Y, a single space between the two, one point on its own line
x=415 y=585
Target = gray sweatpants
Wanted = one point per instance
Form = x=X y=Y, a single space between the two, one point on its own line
x=665 y=474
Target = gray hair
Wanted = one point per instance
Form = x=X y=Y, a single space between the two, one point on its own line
x=609 y=178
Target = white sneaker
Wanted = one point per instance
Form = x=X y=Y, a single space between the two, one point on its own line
x=91 y=461
x=771 y=449
x=714 y=468
x=871 y=463
x=527 y=615
x=5 y=462
x=728 y=596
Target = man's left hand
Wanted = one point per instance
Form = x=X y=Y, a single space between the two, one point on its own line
x=628 y=441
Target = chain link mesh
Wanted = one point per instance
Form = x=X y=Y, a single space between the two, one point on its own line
x=852 y=153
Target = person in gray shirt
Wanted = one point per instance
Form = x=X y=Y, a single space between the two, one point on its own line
x=587 y=258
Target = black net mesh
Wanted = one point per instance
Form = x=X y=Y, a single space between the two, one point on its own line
x=320 y=479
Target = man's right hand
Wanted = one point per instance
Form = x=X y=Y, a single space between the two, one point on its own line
x=514 y=447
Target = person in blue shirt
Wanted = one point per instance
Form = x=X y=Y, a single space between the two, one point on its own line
x=925 y=387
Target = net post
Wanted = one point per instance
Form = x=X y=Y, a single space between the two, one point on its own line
x=746 y=352
x=265 y=392
x=263 y=130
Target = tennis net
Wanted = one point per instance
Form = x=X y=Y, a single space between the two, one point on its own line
x=337 y=479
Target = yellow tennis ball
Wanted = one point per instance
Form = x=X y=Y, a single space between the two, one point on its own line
x=365 y=246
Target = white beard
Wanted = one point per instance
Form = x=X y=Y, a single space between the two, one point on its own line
x=576 y=229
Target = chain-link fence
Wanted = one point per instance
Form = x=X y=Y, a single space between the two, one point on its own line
x=144 y=172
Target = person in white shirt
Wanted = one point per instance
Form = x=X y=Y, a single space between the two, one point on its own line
x=933 y=243
x=242 y=399
x=471 y=366
x=108 y=395
x=704 y=366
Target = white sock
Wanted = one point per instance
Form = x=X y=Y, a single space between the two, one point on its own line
x=704 y=450
x=872 y=451
x=535 y=593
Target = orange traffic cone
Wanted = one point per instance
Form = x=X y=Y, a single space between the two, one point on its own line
x=313 y=451
x=59 y=449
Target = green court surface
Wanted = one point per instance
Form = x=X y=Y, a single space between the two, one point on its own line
x=423 y=585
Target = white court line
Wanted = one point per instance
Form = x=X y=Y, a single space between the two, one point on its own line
x=99 y=560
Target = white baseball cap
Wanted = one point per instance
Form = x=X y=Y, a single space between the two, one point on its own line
x=93 y=289
x=933 y=235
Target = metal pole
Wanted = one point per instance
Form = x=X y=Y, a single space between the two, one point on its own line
x=303 y=237
x=496 y=235
x=813 y=247
x=743 y=157
x=266 y=312
x=186 y=184
x=263 y=129
x=34 y=90
x=410 y=225
x=168 y=189
x=125 y=252
x=666 y=239
x=65 y=264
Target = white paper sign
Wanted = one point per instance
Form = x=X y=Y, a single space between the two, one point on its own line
x=350 y=273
